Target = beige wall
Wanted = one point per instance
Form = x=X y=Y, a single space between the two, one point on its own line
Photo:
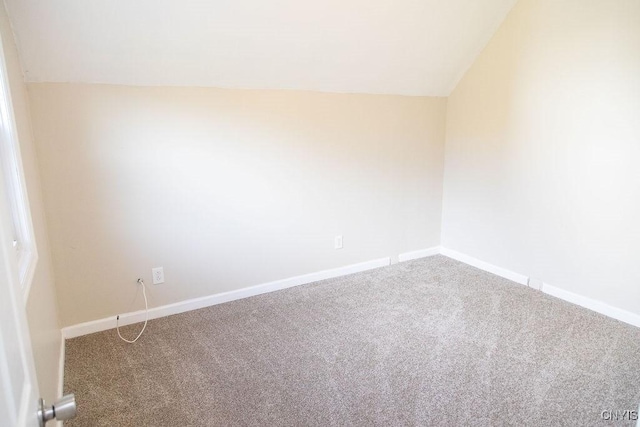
x=227 y=188
x=542 y=171
x=41 y=305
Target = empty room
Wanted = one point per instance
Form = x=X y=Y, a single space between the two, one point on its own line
x=335 y=213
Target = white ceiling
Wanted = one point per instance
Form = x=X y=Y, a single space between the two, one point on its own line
x=410 y=47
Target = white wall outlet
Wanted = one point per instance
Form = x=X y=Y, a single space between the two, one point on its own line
x=337 y=242
x=535 y=283
x=158 y=275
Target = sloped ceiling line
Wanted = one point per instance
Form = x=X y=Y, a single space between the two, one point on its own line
x=406 y=47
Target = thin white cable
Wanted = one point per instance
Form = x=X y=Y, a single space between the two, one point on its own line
x=146 y=319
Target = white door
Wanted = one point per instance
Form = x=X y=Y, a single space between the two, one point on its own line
x=18 y=385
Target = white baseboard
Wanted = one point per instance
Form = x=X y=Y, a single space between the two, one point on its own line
x=591 y=304
x=196 y=303
x=482 y=265
x=594 y=305
x=423 y=253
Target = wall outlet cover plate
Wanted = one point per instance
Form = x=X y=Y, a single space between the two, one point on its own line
x=158 y=275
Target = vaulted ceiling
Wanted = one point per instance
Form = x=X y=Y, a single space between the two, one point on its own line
x=410 y=47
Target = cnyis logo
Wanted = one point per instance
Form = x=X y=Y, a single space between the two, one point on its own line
x=609 y=415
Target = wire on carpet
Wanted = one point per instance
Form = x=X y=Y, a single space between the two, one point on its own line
x=146 y=318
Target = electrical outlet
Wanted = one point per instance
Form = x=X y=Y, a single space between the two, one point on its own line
x=337 y=242
x=158 y=275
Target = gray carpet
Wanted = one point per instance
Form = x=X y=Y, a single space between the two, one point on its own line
x=427 y=342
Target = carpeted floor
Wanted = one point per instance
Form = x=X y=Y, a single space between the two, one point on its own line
x=427 y=342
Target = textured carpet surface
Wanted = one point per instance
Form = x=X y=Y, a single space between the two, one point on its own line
x=427 y=342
